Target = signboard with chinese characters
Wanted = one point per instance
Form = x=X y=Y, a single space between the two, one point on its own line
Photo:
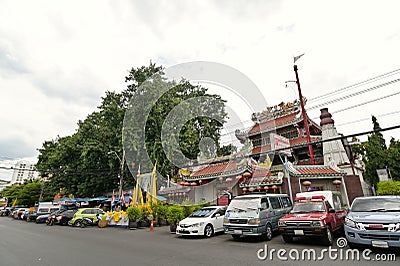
x=279 y=142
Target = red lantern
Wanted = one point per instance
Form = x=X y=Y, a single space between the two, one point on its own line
x=337 y=184
x=274 y=187
x=187 y=184
x=229 y=179
x=244 y=190
x=307 y=184
x=251 y=189
x=266 y=188
x=246 y=174
x=184 y=193
x=221 y=178
x=259 y=188
x=176 y=194
x=182 y=183
x=200 y=181
x=193 y=184
x=238 y=177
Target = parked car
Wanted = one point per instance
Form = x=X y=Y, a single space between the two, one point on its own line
x=255 y=214
x=42 y=218
x=206 y=222
x=91 y=213
x=317 y=213
x=374 y=221
x=44 y=212
x=62 y=218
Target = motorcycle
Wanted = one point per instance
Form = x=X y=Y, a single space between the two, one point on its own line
x=51 y=219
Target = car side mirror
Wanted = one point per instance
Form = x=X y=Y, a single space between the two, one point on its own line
x=331 y=210
x=217 y=215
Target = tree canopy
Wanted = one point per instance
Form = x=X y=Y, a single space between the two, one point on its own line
x=84 y=164
x=376 y=155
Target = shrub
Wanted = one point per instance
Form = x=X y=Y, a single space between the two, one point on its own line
x=175 y=214
x=388 y=188
x=134 y=214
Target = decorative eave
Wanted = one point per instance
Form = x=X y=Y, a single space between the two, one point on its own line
x=174 y=189
x=314 y=171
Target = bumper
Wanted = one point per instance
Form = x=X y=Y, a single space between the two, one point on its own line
x=190 y=231
x=372 y=237
x=244 y=230
x=302 y=231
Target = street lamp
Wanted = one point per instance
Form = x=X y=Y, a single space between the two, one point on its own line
x=121 y=176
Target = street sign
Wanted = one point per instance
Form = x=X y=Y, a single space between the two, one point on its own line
x=279 y=142
x=382 y=174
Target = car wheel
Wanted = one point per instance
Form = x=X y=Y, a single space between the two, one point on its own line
x=287 y=238
x=78 y=223
x=328 y=238
x=268 y=232
x=208 y=230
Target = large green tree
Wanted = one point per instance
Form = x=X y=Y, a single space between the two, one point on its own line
x=376 y=155
x=85 y=163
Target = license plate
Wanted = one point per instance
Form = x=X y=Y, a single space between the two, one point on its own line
x=237 y=232
x=379 y=244
x=298 y=232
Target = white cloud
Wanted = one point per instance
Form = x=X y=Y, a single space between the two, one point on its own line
x=58 y=58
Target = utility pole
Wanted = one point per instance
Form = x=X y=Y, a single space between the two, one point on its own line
x=305 y=120
x=121 y=178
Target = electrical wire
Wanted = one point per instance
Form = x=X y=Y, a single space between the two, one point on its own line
x=358 y=84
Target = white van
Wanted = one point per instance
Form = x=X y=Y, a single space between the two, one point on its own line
x=255 y=214
x=47 y=207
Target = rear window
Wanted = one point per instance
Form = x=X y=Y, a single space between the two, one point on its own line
x=43 y=210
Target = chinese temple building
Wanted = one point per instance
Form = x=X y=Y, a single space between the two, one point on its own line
x=261 y=169
x=285 y=120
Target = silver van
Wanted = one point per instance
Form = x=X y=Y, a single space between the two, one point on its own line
x=255 y=214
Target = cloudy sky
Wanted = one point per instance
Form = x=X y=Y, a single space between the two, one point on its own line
x=57 y=58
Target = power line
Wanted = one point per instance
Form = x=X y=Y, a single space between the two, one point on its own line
x=364 y=103
x=354 y=94
x=367 y=118
x=358 y=84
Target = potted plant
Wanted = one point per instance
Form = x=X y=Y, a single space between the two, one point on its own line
x=174 y=215
x=134 y=215
x=162 y=214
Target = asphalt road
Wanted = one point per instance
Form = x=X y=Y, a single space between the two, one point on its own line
x=23 y=243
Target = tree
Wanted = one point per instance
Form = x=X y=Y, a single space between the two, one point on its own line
x=393 y=159
x=374 y=153
x=79 y=164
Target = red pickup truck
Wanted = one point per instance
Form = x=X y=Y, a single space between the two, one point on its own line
x=317 y=213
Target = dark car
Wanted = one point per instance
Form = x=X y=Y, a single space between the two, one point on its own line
x=42 y=218
x=43 y=213
x=64 y=217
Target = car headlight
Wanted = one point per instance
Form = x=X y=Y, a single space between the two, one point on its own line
x=317 y=223
x=254 y=221
x=281 y=223
x=197 y=224
x=349 y=222
x=226 y=221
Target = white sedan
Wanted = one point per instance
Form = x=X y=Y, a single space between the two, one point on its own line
x=205 y=221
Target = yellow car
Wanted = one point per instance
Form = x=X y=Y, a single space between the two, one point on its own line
x=94 y=214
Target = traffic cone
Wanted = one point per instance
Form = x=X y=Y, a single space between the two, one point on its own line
x=151 y=226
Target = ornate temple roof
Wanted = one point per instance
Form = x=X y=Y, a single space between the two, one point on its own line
x=314 y=170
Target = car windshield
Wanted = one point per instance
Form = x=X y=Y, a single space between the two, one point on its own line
x=202 y=213
x=243 y=204
x=308 y=207
x=376 y=205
